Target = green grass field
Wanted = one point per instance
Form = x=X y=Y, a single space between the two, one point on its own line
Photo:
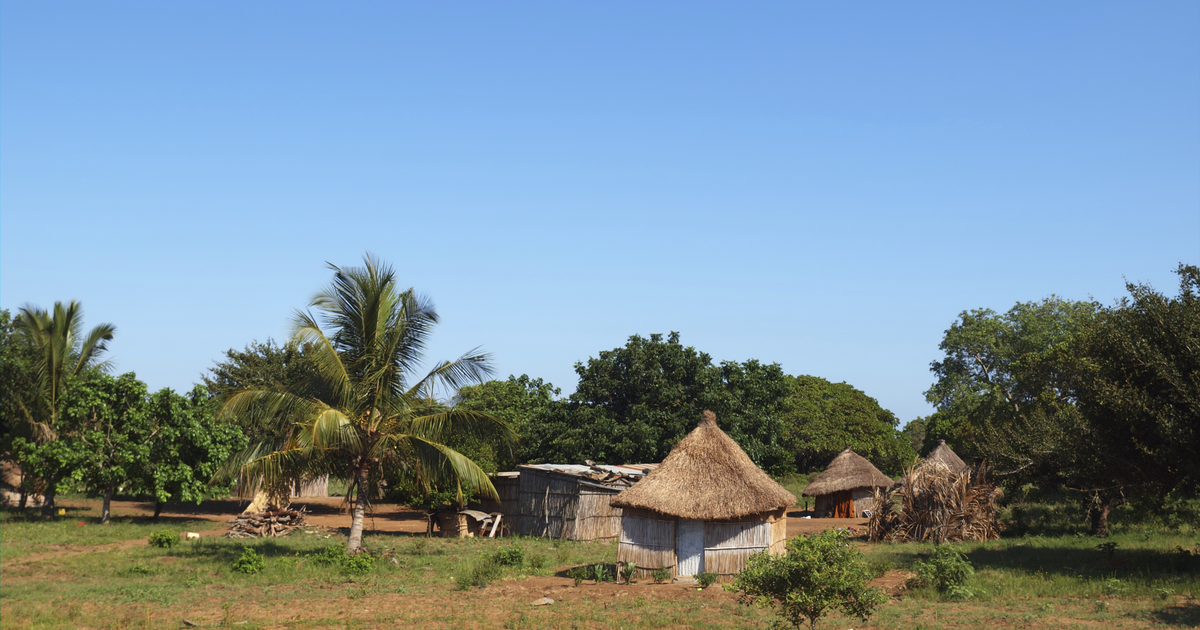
x=59 y=574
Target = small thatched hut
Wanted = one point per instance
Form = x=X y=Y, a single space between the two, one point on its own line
x=706 y=508
x=847 y=487
x=941 y=455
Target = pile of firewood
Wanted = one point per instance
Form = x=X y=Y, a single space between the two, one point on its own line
x=272 y=523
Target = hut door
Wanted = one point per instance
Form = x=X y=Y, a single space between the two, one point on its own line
x=689 y=548
x=843 y=505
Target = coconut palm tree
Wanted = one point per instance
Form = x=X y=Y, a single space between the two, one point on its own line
x=63 y=352
x=362 y=413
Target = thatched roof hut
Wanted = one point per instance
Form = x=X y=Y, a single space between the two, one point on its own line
x=706 y=508
x=847 y=487
x=941 y=455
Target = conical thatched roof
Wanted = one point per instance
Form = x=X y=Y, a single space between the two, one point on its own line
x=706 y=477
x=943 y=456
x=847 y=471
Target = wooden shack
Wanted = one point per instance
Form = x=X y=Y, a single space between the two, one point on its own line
x=570 y=501
x=706 y=509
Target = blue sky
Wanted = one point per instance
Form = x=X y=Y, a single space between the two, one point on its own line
x=822 y=185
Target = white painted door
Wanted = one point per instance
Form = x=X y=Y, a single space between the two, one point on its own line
x=689 y=547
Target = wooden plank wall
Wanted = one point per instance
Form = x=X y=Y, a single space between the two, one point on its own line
x=864 y=499
x=727 y=546
x=647 y=539
x=595 y=517
x=508 y=489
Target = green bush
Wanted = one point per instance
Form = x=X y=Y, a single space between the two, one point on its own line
x=818 y=574
x=164 y=539
x=479 y=572
x=948 y=571
x=250 y=562
x=600 y=572
x=629 y=571
x=537 y=562
x=335 y=555
x=706 y=579
x=879 y=567
x=510 y=556
x=578 y=574
x=660 y=575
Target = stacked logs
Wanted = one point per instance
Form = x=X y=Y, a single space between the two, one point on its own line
x=273 y=523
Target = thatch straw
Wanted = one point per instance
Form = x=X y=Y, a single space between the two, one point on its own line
x=706 y=477
x=933 y=504
x=942 y=454
x=847 y=471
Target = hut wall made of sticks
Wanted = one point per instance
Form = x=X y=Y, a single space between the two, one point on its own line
x=557 y=505
x=648 y=539
x=508 y=487
x=318 y=487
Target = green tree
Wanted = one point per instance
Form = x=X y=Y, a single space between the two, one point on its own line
x=753 y=410
x=187 y=448
x=823 y=418
x=818 y=574
x=363 y=413
x=632 y=404
x=262 y=366
x=18 y=380
x=63 y=351
x=518 y=402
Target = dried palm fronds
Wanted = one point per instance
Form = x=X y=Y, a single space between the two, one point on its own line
x=932 y=503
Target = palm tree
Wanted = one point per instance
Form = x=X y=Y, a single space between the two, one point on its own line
x=361 y=414
x=63 y=352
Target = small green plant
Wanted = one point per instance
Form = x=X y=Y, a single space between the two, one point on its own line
x=478 y=573
x=562 y=555
x=578 y=575
x=537 y=562
x=879 y=567
x=250 y=562
x=1109 y=549
x=629 y=570
x=1112 y=586
x=164 y=539
x=1099 y=606
x=660 y=575
x=335 y=555
x=946 y=569
x=600 y=572
x=706 y=579
x=818 y=574
x=358 y=563
x=140 y=569
x=510 y=556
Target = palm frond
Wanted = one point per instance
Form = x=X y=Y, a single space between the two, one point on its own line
x=442 y=427
x=440 y=463
x=471 y=368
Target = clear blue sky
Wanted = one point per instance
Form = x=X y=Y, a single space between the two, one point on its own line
x=823 y=185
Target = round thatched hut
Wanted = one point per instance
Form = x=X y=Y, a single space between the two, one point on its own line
x=706 y=508
x=847 y=487
x=941 y=455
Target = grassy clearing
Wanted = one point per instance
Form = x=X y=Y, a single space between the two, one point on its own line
x=24 y=533
x=1032 y=582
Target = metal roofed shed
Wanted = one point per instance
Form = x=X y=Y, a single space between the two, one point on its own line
x=571 y=501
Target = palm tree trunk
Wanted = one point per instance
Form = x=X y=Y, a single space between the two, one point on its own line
x=360 y=509
x=104 y=512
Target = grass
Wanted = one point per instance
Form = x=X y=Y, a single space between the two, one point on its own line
x=1055 y=582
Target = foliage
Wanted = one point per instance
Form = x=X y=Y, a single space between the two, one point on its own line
x=164 y=539
x=510 y=556
x=261 y=366
x=249 y=562
x=578 y=574
x=336 y=556
x=18 y=380
x=629 y=570
x=818 y=574
x=362 y=414
x=478 y=572
x=706 y=579
x=600 y=573
x=823 y=418
x=519 y=402
x=947 y=570
x=660 y=575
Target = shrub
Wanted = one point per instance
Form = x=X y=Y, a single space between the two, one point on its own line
x=818 y=574
x=947 y=570
x=510 y=556
x=479 y=572
x=164 y=539
x=537 y=562
x=706 y=579
x=335 y=555
x=578 y=574
x=600 y=572
x=660 y=575
x=1109 y=549
x=250 y=562
x=629 y=571
x=879 y=567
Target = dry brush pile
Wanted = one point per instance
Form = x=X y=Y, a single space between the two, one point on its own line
x=933 y=504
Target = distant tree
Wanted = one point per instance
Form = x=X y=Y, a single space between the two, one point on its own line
x=187 y=447
x=915 y=432
x=518 y=402
x=18 y=387
x=753 y=411
x=63 y=351
x=632 y=403
x=265 y=366
x=823 y=418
